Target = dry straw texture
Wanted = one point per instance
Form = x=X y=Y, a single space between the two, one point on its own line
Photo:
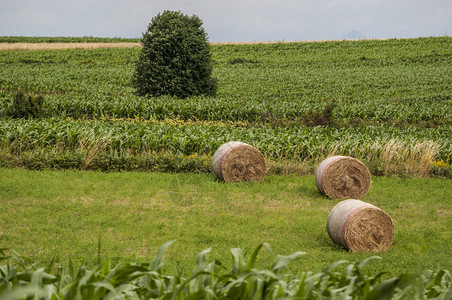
x=360 y=226
x=237 y=161
x=414 y=160
x=87 y=45
x=343 y=177
x=62 y=46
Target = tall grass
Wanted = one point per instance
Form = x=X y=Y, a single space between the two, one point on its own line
x=398 y=158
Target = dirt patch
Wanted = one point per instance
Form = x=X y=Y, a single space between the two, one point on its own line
x=62 y=46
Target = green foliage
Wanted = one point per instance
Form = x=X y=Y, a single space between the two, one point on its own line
x=210 y=280
x=273 y=96
x=26 y=106
x=175 y=58
x=403 y=84
x=139 y=137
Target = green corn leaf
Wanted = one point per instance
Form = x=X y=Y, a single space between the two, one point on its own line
x=23 y=292
x=282 y=261
x=157 y=262
x=334 y=265
x=105 y=285
x=251 y=263
x=385 y=290
x=363 y=263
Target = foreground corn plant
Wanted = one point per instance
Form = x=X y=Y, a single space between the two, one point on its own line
x=19 y=280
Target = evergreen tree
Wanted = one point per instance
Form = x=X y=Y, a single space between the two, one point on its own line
x=175 y=58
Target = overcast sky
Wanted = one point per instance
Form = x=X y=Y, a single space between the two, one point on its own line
x=232 y=20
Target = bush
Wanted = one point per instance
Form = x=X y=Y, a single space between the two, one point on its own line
x=26 y=106
x=175 y=59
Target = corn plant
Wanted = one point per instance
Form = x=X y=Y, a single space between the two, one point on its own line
x=211 y=280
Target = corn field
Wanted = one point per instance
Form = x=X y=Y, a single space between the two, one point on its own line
x=212 y=280
x=293 y=101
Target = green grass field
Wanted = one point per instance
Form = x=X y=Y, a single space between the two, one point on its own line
x=46 y=213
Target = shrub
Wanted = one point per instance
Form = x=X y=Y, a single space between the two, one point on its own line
x=175 y=58
x=26 y=106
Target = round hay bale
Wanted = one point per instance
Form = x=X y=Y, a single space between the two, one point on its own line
x=237 y=161
x=342 y=177
x=360 y=226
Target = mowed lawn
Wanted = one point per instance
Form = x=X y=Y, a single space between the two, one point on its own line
x=62 y=214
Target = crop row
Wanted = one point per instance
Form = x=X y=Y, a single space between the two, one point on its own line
x=277 y=142
x=227 y=109
x=408 y=81
x=396 y=92
x=101 y=70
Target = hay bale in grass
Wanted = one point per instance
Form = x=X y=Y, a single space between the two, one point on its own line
x=360 y=226
x=237 y=161
x=342 y=177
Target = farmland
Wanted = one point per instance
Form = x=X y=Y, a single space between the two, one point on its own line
x=296 y=102
x=388 y=103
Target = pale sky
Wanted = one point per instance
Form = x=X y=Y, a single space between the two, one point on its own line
x=232 y=20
